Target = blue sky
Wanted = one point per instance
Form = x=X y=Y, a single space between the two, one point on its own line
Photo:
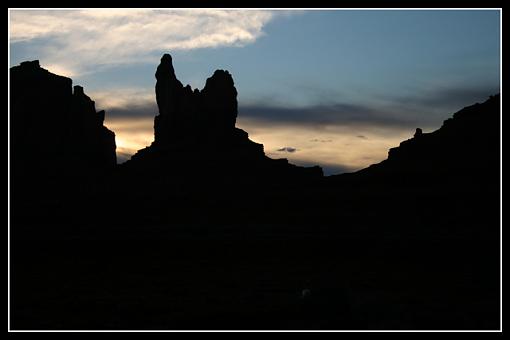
x=302 y=76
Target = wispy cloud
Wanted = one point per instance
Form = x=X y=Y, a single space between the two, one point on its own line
x=100 y=38
x=130 y=101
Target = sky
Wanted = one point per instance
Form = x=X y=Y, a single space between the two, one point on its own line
x=335 y=88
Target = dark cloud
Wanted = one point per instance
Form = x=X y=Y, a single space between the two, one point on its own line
x=287 y=149
x=449 y=98
x=312 y=116
x=135 y=125
x=318 y=115
x=427 y=110
x=326 y=115
x=139 y=110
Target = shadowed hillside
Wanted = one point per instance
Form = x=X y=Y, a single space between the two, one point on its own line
x=227 y=238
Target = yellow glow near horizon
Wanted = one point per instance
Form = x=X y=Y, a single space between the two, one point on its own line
x=350 y=148
x=131 y=135
x=334 y=146
x=61 y=70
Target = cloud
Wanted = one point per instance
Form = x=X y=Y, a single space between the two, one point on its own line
x=452 y=97
x=85 y=40
x=60 y=70
x=138 y=99
x=436 y=103
x=135 y=103
x=428 y=109
x=140 y=112
x=287 y=149
x=327 y=115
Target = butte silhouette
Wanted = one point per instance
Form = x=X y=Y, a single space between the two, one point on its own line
x=204 y=120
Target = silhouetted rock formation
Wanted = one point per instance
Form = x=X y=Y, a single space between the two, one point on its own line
x=54 y=127
x=443 y=182
x=206 y=116
x=463 y=146
x=196 y=131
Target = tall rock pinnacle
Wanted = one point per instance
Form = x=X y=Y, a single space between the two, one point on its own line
x=168 y=88
x=220 y=100
x=193 y=116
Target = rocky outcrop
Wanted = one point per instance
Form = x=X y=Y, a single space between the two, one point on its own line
x=195 y=129
x=455 y=139
x=463 y=146
x=187 y=115
x=54 y=127
x=91 y=139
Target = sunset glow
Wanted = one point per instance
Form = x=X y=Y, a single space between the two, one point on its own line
x=341 y=104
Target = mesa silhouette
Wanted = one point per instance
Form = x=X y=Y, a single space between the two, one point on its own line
x=55 y=125
x=227 y=238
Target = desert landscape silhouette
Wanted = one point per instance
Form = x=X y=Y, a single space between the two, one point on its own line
x=229 y=238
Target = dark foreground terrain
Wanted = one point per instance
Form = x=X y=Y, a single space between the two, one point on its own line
x=235 y=240
x=257 y=284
